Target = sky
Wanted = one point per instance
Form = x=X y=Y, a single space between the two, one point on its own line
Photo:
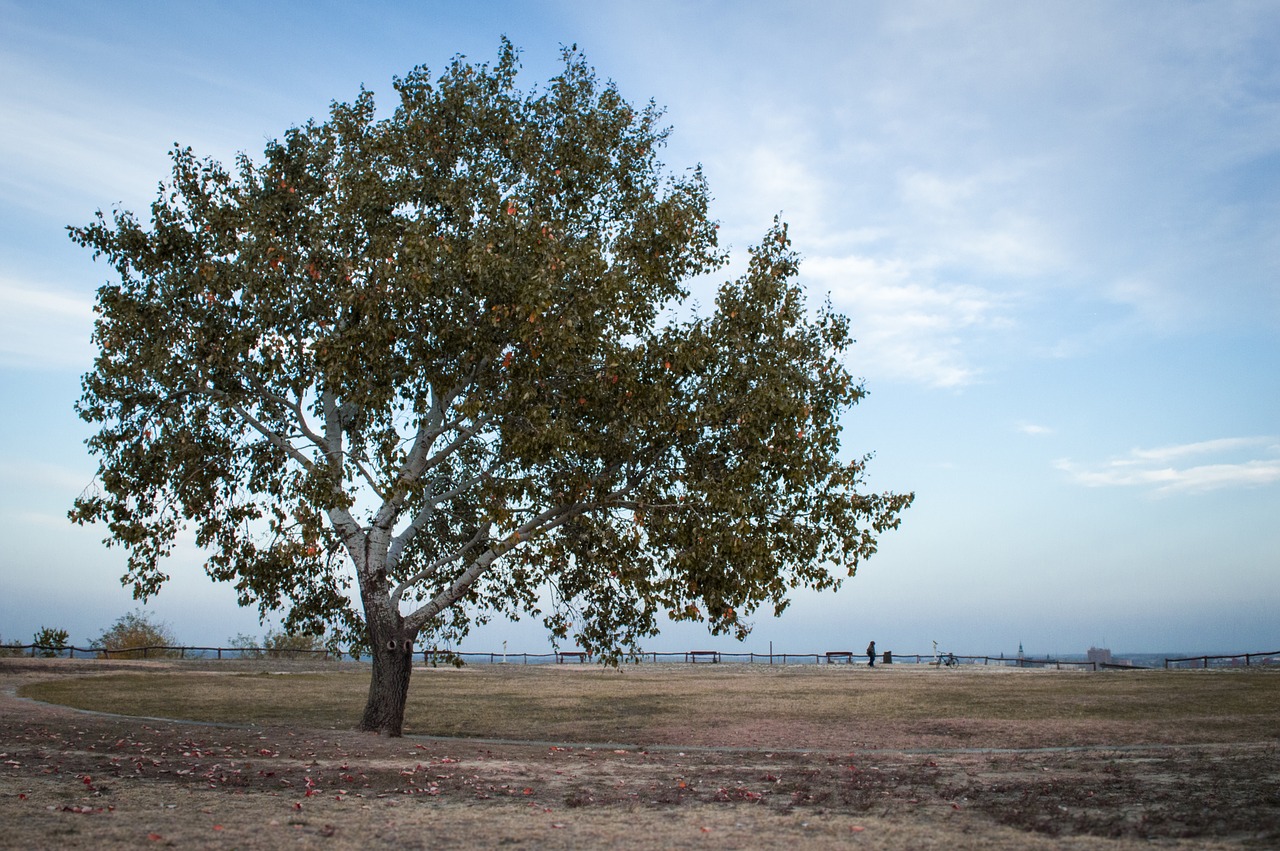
x=1055 y=228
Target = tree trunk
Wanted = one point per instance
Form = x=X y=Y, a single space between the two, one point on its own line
x=389 y=685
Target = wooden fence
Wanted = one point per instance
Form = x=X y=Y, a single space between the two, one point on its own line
x=688 y=656
x=161 y=651
x=1232 y=660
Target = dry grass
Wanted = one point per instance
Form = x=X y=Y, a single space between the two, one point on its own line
x=813 y=757
x=722 y=705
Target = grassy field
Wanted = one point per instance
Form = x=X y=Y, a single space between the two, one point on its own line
x=723 y=705
x=262 y=756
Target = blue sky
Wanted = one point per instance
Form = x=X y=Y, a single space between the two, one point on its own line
x=1054 y=226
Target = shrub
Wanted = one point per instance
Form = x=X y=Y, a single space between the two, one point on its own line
x=281 y=646
x=10 y=648
x=51 y=642
x=133 y=636
x=278 y=645
x=247 y=645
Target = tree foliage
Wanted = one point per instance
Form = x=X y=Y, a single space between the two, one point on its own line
x=135 y=636
x=278 y=645
x=51 y=641
x=443 y=364
x=10 y=648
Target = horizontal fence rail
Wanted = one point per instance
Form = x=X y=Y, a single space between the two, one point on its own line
x=1228 y=661
x=437 y=656
x=162 y=651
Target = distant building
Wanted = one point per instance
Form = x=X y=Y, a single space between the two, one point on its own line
x=1099 y=655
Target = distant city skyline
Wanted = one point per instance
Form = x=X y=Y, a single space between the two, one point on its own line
x=1053 y=227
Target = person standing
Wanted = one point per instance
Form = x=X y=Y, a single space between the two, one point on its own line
x=871 y=654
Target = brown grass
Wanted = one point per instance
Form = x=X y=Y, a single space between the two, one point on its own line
x=723 y=756
x=723 y=705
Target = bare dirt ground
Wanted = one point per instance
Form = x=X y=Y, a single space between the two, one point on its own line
x=75 y=779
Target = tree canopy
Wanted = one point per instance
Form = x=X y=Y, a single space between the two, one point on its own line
x=408 y=372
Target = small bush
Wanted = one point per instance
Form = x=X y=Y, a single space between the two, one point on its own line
x=51 y=642
x=247 y=645
x=133 y=636
x=10 y=648
x=281 y=646
x=278 y=645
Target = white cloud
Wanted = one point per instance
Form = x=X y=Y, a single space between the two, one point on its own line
x=1203 y=447
x=906 y=327
x=66 y=151
x=38 y=520
x=1158 y=470
x=26 y=476
x=1153 y=302
x=44 y=328
x=1033 y=429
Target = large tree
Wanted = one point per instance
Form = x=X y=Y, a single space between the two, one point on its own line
x=445 y=364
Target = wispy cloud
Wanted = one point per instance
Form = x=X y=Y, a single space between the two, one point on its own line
x=44 y=327
x=1235 y=462
x=27 y=476
x=1033 y=429
x=1203 y=447
x=907 y=327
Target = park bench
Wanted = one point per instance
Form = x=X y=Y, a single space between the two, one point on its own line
x=835 y=656
x=693 y=655
x=575 y=655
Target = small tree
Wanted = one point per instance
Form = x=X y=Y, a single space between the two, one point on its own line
x=50 y=641
x=280 y=645
x=136 y=636
x=409 y=372
x=248 y=645
x=10 y=648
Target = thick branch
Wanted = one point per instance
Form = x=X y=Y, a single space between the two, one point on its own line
x=294 y=407
x=417 y=462
x=424 y=515
x=539 y=525
x=275 y=437
x=482 y=534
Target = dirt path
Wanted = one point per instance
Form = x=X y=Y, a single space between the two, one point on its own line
x=84 y=780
